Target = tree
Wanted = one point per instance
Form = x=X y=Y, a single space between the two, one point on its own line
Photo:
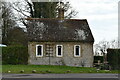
x=12 y=34
x=50 y=9
x=0 y=22
x=114 y=44
x=24 y=10
x=42 y=10
x=17 y=36
x=8 y=21
x=102 y=46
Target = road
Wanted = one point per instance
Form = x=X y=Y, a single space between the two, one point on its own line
x=92 y=76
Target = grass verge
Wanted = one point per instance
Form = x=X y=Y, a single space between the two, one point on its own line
x=28 y=69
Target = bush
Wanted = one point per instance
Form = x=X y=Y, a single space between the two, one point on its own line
x=113 y=56
x=14 y=55
x=96 y=58
x=104 y=67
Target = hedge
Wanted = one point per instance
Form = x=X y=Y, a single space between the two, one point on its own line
x=113 y=55
x=14 y=55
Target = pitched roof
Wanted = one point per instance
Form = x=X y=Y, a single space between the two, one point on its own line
x=59 y=30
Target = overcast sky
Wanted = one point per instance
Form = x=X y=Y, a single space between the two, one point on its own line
x=102 y=16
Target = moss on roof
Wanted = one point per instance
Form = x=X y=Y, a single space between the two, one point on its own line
x=59 y=30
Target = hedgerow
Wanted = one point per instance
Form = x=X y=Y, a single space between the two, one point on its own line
x=113 y=56
x=14 y=55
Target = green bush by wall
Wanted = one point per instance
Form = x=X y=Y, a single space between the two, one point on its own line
x=96 y=58
x=14 y=55
x=113 y=55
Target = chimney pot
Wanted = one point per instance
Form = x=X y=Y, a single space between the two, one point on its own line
x=61 y=13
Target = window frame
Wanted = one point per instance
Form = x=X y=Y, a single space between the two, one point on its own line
x=37 y=51
x=61 y=51
x=75 y=51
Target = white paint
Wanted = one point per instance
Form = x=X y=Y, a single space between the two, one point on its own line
x=37 y=51
x=57 y=51
x=2 y=45
x=75 y=51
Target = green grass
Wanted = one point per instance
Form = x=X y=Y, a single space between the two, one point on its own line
x=50 y=69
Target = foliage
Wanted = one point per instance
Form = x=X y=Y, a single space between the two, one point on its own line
x=50 y=69
x=14 y=55
x=12 y=34
x=104 y=67
x=50 y=10
x=29 y=9
x=96 y=58
x=43 y=9
x=17 y=36
x=113 y=56
x=102 y=46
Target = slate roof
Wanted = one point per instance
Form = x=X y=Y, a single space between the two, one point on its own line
x=55 y=30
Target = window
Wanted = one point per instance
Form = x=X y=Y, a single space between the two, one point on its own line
x=39 y=50
x=59 y=50
x=77 y=51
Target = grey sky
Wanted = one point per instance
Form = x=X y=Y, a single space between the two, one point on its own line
x=102 y=16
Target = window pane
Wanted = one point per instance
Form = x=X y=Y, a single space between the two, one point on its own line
x=59 y=50
x=39 y=50
x=77 y=50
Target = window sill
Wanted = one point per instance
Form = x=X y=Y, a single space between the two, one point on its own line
x=77 y=56
x=39 y=56
x=59 y=56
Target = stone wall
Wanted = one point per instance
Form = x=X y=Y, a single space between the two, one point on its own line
x=68 y=59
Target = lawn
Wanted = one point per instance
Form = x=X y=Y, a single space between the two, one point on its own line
x=50 y=69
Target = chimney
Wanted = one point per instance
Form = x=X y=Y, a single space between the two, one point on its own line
x=61 y=11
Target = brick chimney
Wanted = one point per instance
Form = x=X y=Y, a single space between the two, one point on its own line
x=61 y=11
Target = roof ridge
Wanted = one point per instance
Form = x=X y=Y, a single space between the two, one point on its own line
x=52 y=19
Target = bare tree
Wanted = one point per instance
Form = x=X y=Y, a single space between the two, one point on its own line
x=28 y=9
x=1 y=23
x=8 y=21
x=102 y=46
x=114 y=44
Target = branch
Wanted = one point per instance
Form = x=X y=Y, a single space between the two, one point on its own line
x=31 y=8
x=23 y=21
x=19 y=10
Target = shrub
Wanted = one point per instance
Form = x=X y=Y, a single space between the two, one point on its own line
x=14 y=55
x=96 y=58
